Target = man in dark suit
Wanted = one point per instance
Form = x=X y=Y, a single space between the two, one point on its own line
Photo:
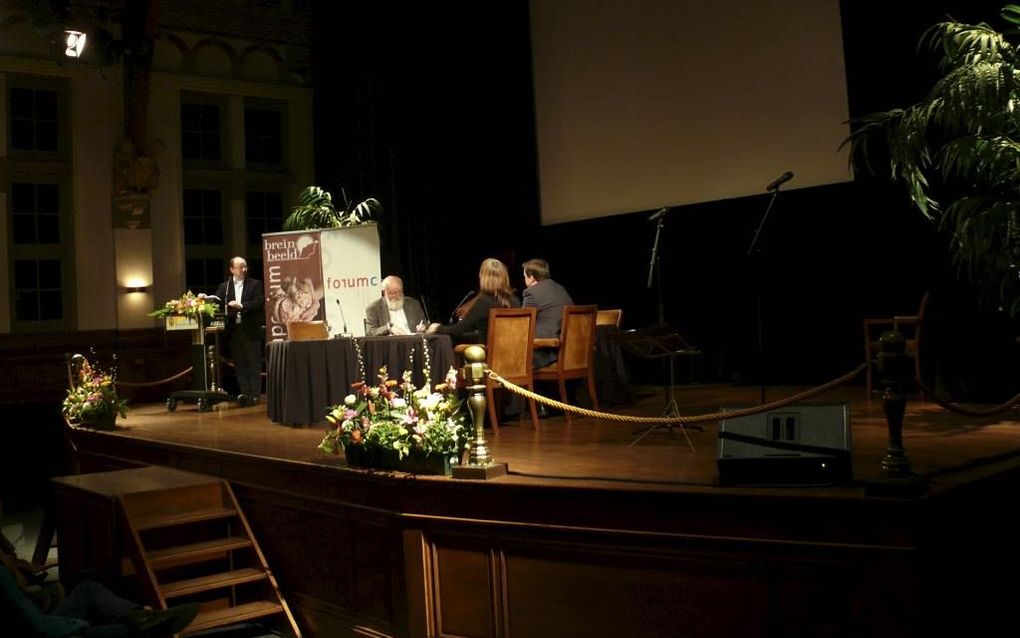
x=244 y=300
x=393 y=313
x=549 y=298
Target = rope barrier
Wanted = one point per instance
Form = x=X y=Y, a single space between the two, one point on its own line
x=128 y=384
x=678 y=420
x=961 y=409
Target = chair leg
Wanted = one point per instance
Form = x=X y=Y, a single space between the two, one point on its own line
x=591 y=388
x=563 y=397
x=534 y=410
x=492 y=408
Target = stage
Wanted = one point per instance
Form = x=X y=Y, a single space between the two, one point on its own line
x=585 y=519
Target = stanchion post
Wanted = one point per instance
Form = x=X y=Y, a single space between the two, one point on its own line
x=480 y=464
x=894 y=368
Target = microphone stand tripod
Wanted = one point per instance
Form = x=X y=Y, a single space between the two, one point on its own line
x=756 y=250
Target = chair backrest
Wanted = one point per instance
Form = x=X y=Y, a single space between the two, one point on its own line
x=609 y=317
x=508 y=346
x=307 y=330
x=577 y=337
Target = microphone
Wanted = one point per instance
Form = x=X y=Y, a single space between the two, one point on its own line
x=779 y=181
x=342 y=317
x=453 y=315
x=425 y=309
x=659 y=213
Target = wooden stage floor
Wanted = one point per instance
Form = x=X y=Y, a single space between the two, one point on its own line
x=947 y=448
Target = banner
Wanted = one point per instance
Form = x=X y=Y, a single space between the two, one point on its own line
x=314 y=275
x=351 y=275
x=292 y=276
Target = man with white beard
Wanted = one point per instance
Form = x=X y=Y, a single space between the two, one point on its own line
x=393 y=313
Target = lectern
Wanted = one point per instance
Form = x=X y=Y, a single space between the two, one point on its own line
x=206 y=390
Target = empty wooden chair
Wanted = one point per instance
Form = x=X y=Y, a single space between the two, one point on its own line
x=508 y=352
x=575 y=359
x=609 y=317
x=307 y=330
x=907 y=325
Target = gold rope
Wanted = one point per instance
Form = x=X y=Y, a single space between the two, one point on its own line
x=128 y=384
x=699 y=418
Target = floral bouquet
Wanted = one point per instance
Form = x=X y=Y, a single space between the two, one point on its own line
x=380 y=421
x=93 y=400
x=188 y=305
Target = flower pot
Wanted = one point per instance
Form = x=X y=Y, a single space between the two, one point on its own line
x=106 y=421
x=416 y=462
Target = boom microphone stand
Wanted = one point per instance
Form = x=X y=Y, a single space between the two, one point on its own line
x=756 y=250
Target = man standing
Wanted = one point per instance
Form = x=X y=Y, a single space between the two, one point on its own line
x=393 y=313
x=244 y=299
x=548 y=297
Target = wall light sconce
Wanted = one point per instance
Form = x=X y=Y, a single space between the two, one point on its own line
x=130 y=289
x=75 y=43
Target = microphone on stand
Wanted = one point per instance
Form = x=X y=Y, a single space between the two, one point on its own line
x=425 y=309
x=779 y=181
x=345 y=333
x=453 y=315
x=659 y=213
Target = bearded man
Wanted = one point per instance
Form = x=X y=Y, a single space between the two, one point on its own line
x=393 y=313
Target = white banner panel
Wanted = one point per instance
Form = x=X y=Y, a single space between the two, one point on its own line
x=351 y=275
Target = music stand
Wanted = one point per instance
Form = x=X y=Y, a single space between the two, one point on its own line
x=661 y=341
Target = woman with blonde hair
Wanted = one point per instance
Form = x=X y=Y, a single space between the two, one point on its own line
x=494 y=291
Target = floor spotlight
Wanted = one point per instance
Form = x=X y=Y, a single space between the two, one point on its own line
x=75 y=43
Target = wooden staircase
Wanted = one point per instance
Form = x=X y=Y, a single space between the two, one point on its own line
x=193 y=543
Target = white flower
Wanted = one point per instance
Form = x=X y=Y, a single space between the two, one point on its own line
x=398 y=402
x=350 y=399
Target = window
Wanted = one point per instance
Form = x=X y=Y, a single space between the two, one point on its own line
x=38 y=290
x=204 y=247
x=39 y=253
x=201 y=127
x=263 y=136
x=203 y=217
x=264 y=212
x=34 y=121
x=35 y=213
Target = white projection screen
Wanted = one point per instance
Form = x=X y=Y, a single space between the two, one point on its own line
x=648 y=103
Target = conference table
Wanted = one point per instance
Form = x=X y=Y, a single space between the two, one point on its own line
x=304 y=377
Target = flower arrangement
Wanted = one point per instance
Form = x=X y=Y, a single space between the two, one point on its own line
x=93 y=400
x=187 y=305
x=376 y=422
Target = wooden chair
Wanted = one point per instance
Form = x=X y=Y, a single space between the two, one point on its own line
x=908 y=325
x=508 y=352
x=576 y=356
x=609 y=317
x=307 y=330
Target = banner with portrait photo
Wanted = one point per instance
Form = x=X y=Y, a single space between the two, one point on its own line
x=292 y=272
x=351 y=275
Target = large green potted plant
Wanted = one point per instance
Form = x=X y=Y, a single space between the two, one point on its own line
x=957 y=151
x=315 y=209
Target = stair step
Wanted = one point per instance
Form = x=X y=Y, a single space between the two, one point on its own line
x=161 y=558
x=231 y=615
x=183 y=518
x=212 y=581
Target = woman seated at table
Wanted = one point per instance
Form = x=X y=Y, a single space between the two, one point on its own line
x=494 y=292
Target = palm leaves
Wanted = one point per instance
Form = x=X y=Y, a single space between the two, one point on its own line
x=315 y=209
x=958 y=152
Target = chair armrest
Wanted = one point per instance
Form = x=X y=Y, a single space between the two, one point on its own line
x=544 y=342
x=906 y=319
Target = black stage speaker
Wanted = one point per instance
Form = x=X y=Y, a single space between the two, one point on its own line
x=796 y=445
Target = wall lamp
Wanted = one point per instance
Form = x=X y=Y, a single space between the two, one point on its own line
x=130 y=289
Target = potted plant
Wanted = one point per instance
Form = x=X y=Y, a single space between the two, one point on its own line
x=315 y=209
x=92 y=400
x=396 y=426
x=958 y=152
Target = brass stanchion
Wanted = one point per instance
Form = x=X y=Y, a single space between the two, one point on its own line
x=480 y=465
x=895 y=369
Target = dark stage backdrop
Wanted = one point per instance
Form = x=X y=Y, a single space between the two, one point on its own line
x=430 y=109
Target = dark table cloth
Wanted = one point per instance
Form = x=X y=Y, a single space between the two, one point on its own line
x=304 y=377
